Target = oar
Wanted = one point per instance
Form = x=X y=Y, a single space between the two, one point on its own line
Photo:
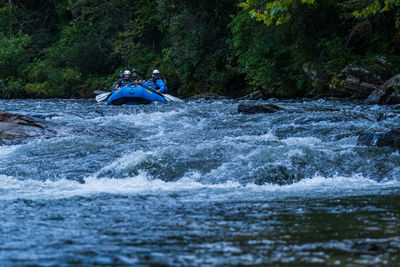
x=171 y=98
x=167 y=96
x=102 y=97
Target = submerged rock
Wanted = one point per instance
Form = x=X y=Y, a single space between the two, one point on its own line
x=388 y=93
x=375 y=245
x=207 y=96
x=16 y=129
x=257 y=108
x=382 y=139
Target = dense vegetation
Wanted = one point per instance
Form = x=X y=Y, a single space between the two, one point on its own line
x=65 y=48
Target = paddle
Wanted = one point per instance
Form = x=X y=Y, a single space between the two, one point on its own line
x=167 y=96
x=102 y=97
x=98 y=92
x=171 y=98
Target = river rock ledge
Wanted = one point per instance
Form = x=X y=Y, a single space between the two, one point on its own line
x=16 y=129
x=381 y=139
x=387 y=93
x=249 y=108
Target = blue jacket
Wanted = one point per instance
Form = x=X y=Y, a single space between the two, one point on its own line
x=159 y=84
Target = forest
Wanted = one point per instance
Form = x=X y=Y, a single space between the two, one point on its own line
x=68 y=48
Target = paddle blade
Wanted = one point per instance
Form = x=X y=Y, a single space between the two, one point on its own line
x=98 y=92
x=102 y=97
x=172 y=98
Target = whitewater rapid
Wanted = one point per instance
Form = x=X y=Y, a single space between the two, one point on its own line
x=184 y=183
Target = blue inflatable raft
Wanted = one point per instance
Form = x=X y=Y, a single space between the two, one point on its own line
x=134 y=95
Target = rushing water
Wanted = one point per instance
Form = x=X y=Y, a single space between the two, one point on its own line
x=196 y=183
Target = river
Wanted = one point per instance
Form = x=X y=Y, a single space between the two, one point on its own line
x=197 y=183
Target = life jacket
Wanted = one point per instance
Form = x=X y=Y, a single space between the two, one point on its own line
x=157 y=87
x=125 y=82
x=136 y=79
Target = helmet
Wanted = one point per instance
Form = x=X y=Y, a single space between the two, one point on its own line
x=133 y=70
x=156 y=72
x=127 y=72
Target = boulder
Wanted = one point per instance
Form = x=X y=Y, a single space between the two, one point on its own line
x=17 y=129
x=207 y=96
x=257 y=108
x=382 y=139
x=360 y=81
x=388 y=93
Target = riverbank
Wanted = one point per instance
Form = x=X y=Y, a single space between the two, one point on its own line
x=369 y=82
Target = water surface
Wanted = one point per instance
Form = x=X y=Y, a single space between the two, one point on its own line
x=196 y=183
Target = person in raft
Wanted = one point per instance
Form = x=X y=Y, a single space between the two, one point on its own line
x=155 y=83
x=124 y=81
x=136 y=78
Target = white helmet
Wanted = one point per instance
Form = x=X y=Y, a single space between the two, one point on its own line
x=156 y=72
x=127 y=72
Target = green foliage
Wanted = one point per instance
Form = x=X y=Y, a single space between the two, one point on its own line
x=273 y=12
x=198 y=51
x=69 y=48
x=265 y=61
x=13 y=54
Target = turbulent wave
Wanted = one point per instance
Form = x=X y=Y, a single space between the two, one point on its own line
x=198 y=145
x=317 y=186
x=197 y=183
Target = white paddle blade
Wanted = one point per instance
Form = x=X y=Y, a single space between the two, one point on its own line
x=172 y=98
x=102 y=97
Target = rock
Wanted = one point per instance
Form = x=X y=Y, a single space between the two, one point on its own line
x=16 y=129
x=360 y=81
x=207 y=96
x=374 y=245
x=257 y=95
x=363 y=74
x=365 y=247
x=257 y=108
x=381 y=139
x=388 y=93
x=394 y=98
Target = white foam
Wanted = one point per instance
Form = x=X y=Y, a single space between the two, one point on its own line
x=6 y=150
x=126 y=161
x=12 y=188
x=263 y=137
x=294 y=153
x=141 y=118
x=301 y=141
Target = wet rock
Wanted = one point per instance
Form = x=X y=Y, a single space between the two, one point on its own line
x=207 y=96
x=388 y=93
x=365 y=247
x=257 y=108
x=16 y=129
x=375 y=245
x=257 y=95
x=381 y=139
x=360 y=81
